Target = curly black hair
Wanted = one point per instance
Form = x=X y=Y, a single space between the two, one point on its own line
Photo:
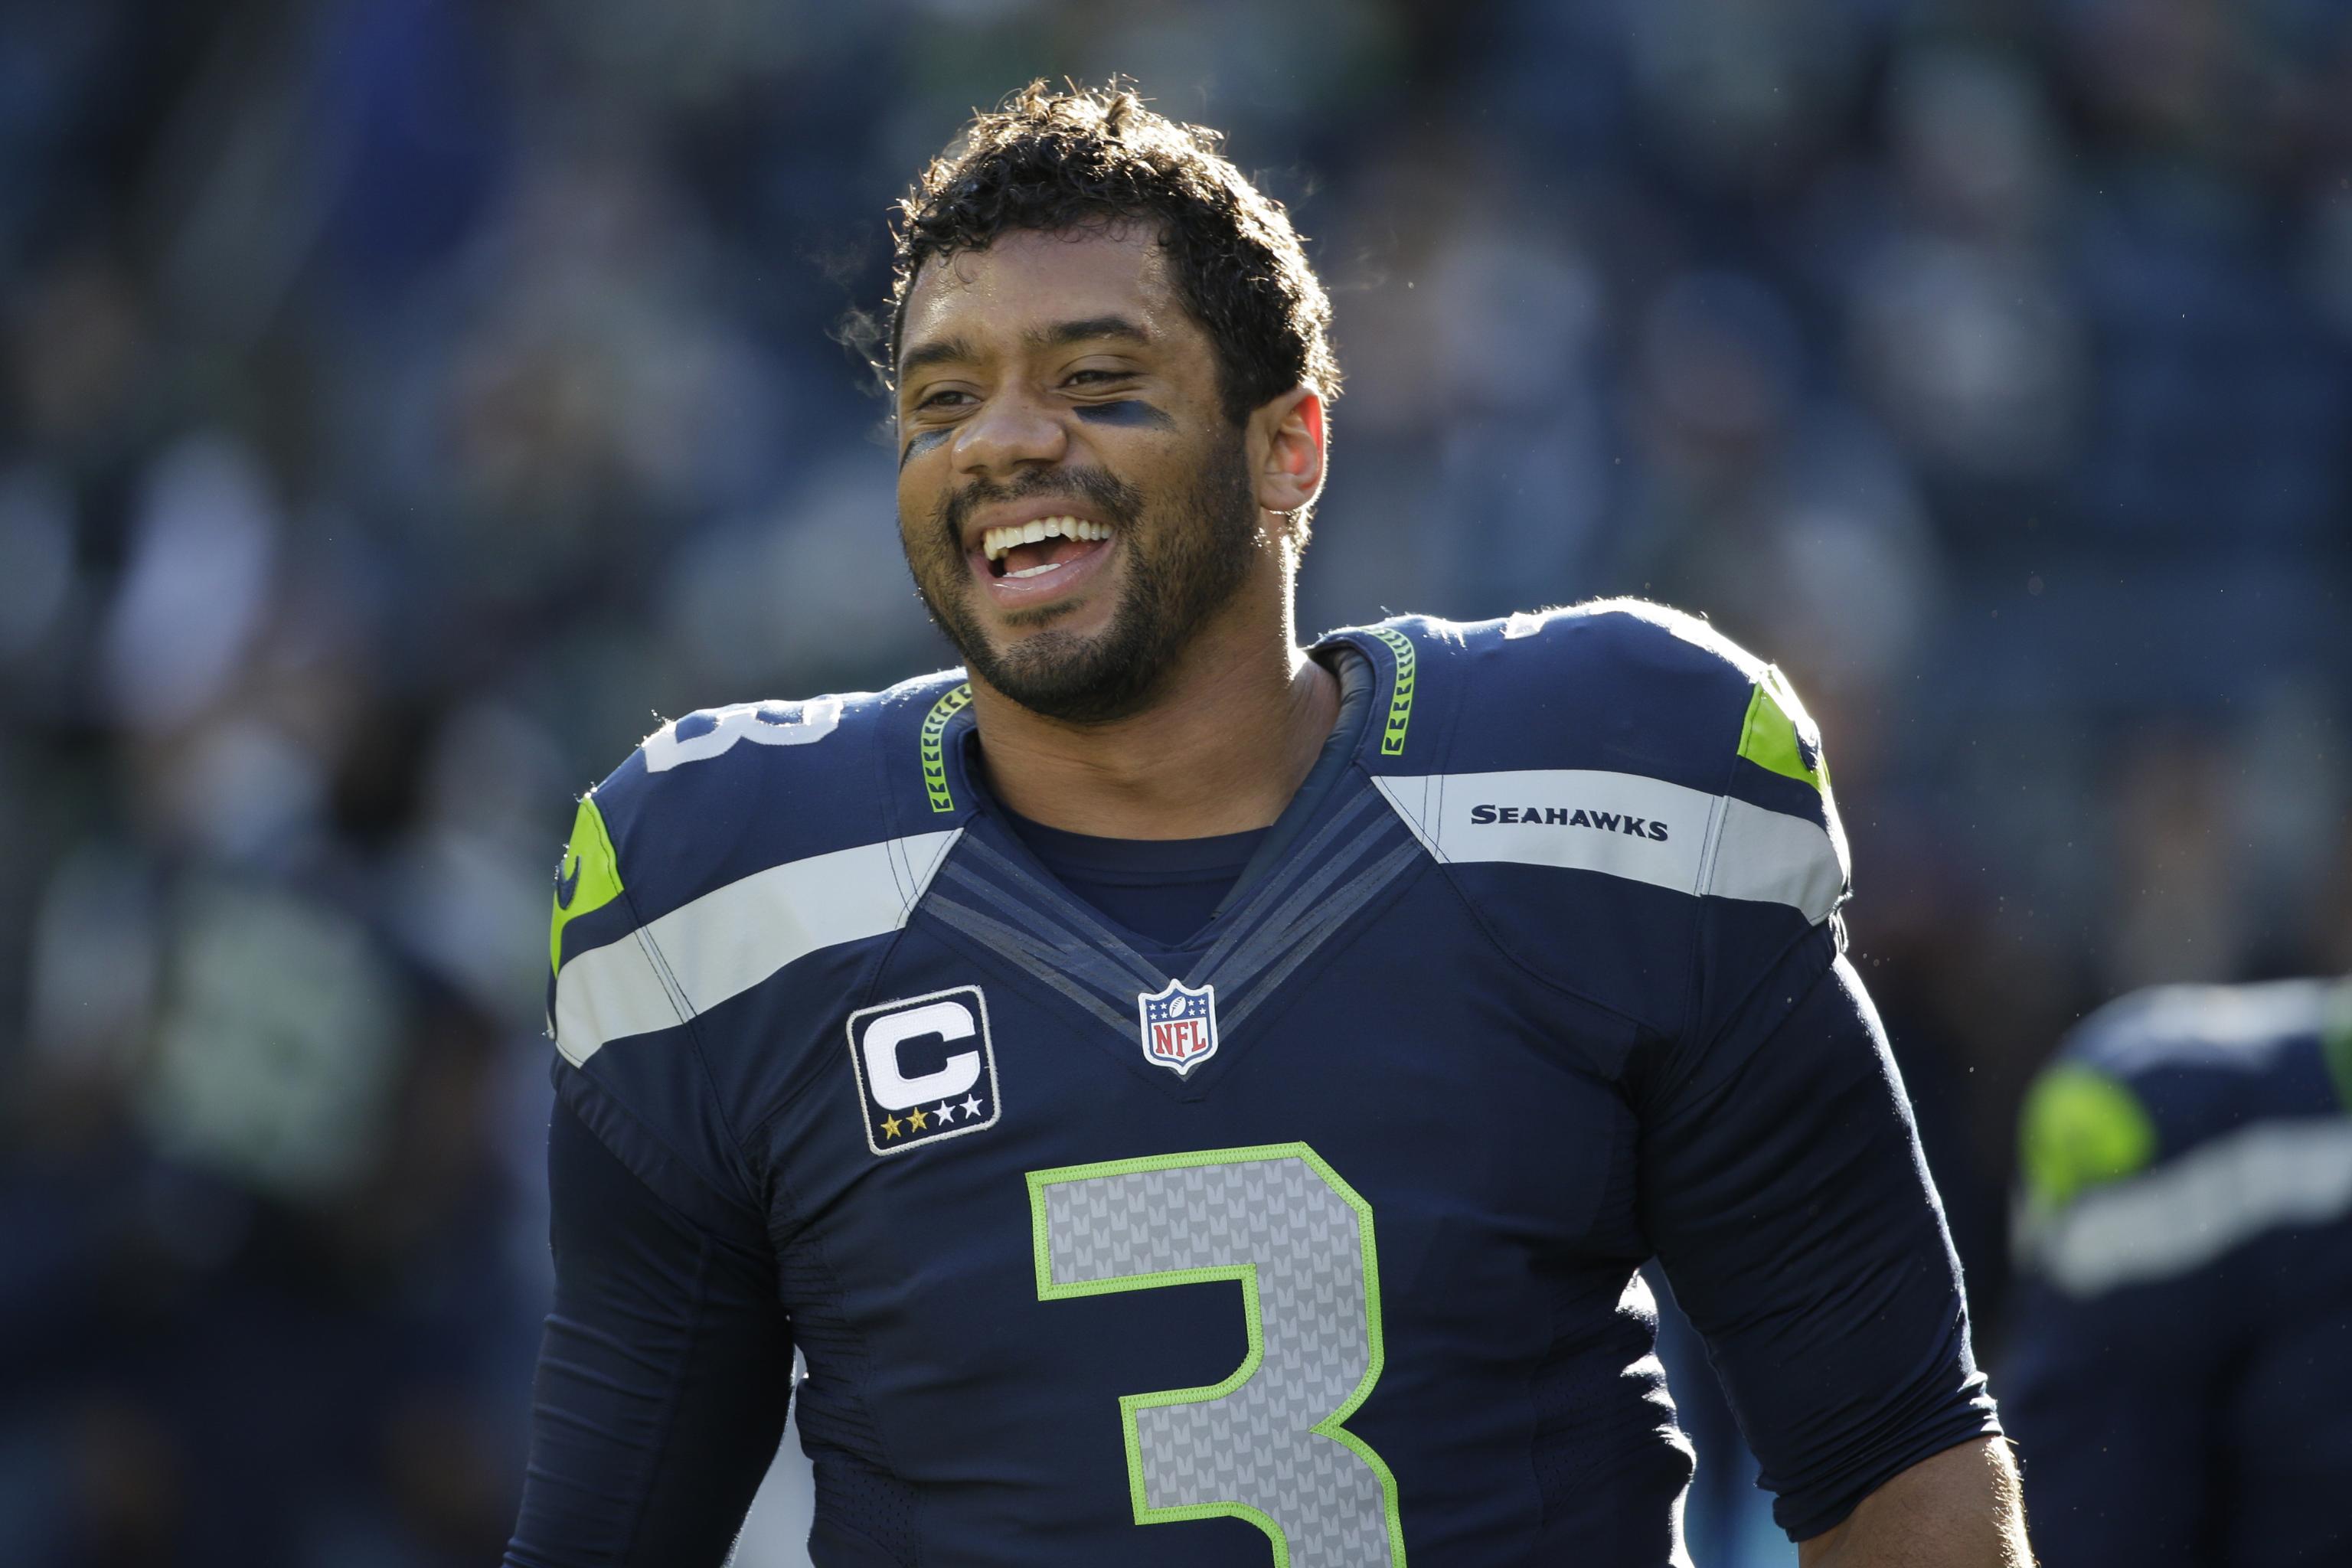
x=1053 y=162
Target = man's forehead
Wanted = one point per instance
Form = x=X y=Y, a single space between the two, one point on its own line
x=1027 y=283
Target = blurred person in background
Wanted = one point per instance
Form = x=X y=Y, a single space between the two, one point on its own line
x=256 y=1287
x=2179 y=1374
x=1052 y=909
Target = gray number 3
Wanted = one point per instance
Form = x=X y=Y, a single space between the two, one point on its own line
x=1266 y=1444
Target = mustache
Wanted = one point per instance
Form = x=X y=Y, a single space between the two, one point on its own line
x=1117 y=501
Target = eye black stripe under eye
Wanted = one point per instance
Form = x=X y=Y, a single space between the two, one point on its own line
x=1125 y=411
x=921 y=440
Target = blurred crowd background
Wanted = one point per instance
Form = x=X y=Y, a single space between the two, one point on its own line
x=402 y=402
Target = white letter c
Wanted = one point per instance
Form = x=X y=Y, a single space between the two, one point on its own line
x=893 y=1090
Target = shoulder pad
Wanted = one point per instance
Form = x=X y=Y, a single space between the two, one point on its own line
x=1620 y=700
x=2204 y=1061
x=2232 y=1027
x=2181 y=1122
x=722 y=794
x=2081 y=1127
x=1613 y=678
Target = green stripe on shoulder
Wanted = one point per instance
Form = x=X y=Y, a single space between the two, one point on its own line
x=589 y=878
x=935 y=757
x=1779 y=736
x=1401 y=695
x=2081 y=1129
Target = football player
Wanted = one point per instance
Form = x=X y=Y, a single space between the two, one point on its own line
x=2180 y=1379
x=1195 y=1099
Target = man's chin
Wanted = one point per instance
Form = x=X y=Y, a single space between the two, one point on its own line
x=1052 y=660
x=1078 y=679
x=1047 y=646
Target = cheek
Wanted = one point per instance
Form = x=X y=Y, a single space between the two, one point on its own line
x=1143 y=450
x=919 y=527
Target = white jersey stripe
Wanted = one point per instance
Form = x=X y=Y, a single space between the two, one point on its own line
x=1625 y=825
x=1773 y=858
x=2207 y=1203
x=732 y=937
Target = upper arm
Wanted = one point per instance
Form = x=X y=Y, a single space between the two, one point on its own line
x=628 y=1046
x=1781 y=1183
x=665 y=1365
x=1783 y=1188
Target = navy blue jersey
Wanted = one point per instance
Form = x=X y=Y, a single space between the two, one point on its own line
x=2180 y=1382
x=1313 y=1237
x=1161 y=889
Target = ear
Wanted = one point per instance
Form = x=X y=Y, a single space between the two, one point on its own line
x=1285 y=446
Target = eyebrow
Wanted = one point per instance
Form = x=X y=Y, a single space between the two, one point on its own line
x=951 y=351
x=1079 y=331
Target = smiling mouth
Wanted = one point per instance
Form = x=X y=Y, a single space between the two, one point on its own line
x=1039 y=548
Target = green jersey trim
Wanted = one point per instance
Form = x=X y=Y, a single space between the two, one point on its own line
x=2081 y=1129
x=1400 y=694
x=589 y=878
x=1772 y=734
x=935 y=761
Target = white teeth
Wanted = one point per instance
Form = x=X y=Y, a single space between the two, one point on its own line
x=1036 y=570
x=997 y=541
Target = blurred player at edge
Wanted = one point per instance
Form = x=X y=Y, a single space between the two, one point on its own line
x=2181 y=1376
x=1199 y=1100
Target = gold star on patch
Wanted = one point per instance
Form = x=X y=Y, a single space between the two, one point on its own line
x=890 y=1126
x=917 y=1120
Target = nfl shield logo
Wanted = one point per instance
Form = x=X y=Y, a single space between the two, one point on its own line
x=1180 y=1026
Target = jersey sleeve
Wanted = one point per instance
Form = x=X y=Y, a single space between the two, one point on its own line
x=665 y=1368
x=1781 y=1179
x=662 y=1381
x=1785 y=1192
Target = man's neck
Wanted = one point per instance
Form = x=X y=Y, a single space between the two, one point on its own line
x=1224 y=750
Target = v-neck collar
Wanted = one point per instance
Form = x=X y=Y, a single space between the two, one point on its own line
x=1353 y=671
x=1335 y=847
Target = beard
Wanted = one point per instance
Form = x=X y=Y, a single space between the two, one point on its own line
x=1185 y=563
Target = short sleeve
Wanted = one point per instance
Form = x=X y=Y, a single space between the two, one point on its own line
x=1783 y=1188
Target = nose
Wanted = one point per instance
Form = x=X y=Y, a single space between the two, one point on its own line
x=1010 y=432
